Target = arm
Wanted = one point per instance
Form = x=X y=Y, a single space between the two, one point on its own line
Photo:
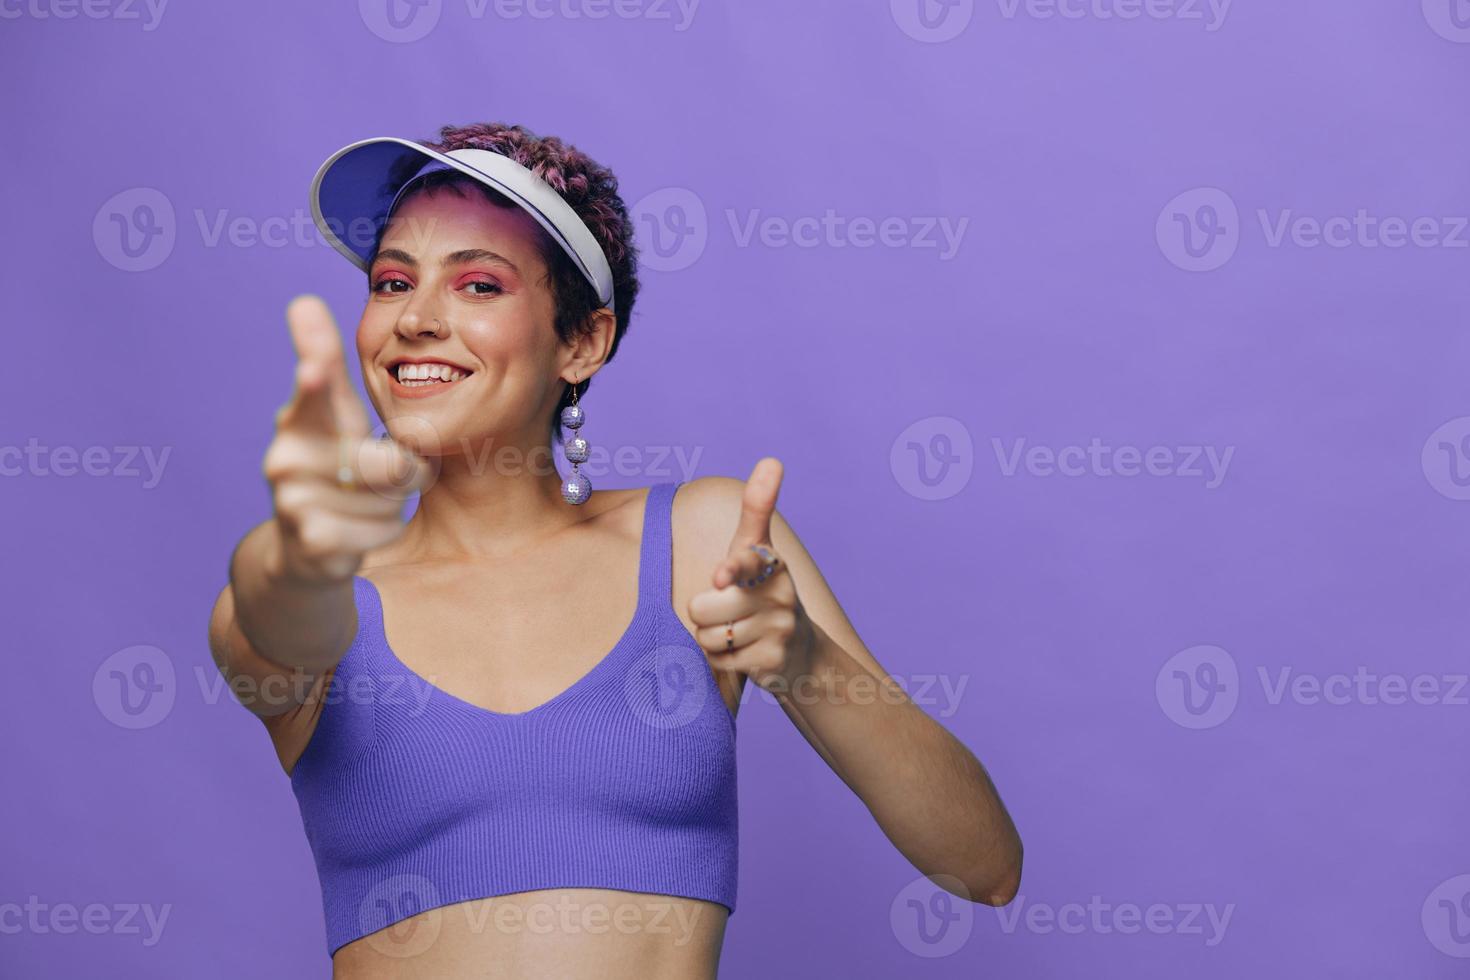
x=306 y=627
x=927 y=791
x=287 y=615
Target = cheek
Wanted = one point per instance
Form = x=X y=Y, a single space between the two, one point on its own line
x=372 y=334
x=511 y=342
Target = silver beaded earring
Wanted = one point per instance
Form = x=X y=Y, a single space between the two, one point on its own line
x=576 y=488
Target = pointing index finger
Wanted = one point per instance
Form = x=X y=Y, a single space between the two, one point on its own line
x=322 y=373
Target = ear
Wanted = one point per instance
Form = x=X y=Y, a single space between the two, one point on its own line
x=592 y=346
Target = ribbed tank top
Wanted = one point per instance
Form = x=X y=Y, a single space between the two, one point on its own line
x=412 y=798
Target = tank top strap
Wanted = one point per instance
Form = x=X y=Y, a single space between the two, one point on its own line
x=656 y=554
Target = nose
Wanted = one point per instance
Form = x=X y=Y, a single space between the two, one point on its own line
x=418 y=320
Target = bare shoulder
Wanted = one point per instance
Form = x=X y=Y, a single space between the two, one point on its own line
x=703 y=518
x=708 y=510
x=705 y=512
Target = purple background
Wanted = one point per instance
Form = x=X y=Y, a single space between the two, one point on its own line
x=1334 y=833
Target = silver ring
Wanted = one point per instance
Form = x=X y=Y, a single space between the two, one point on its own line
x=771 y=559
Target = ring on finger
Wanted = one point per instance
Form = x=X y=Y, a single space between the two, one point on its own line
x=770 y=562
x=729 y=636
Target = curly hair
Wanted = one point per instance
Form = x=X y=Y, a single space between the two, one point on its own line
x=590 y=189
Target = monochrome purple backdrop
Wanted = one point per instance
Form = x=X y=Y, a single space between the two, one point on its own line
x=1115 y=351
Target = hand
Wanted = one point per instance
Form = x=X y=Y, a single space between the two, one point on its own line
x=337 y=492
x=751 y=621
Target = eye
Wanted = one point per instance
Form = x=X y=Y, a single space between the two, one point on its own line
x=489 y=288
x=390 y=280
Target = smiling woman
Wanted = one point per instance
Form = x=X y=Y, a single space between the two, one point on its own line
x=503 y=765
x=578 y=225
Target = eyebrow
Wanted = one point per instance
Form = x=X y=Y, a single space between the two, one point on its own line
x=453 y=258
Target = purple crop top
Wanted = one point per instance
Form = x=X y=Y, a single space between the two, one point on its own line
x=412 y=798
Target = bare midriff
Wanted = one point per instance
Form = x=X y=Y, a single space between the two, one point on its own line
x=565 y=933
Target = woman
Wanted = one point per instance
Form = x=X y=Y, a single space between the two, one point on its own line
x=509 y=721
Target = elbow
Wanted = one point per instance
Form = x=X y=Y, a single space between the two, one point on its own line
x=1001 y=892
x=1000 y=882
x=994 y=880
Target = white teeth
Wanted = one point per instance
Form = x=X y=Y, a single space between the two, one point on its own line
x=429 y=373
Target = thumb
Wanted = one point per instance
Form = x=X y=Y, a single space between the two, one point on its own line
x=758 y=504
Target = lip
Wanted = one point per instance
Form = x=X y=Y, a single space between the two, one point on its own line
x=399 y=390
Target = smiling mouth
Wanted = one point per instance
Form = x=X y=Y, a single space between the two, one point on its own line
x=426 y=375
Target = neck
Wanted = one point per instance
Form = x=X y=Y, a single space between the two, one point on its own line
x=490 y=504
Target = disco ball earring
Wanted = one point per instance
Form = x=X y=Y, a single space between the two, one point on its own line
x=576 y=488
